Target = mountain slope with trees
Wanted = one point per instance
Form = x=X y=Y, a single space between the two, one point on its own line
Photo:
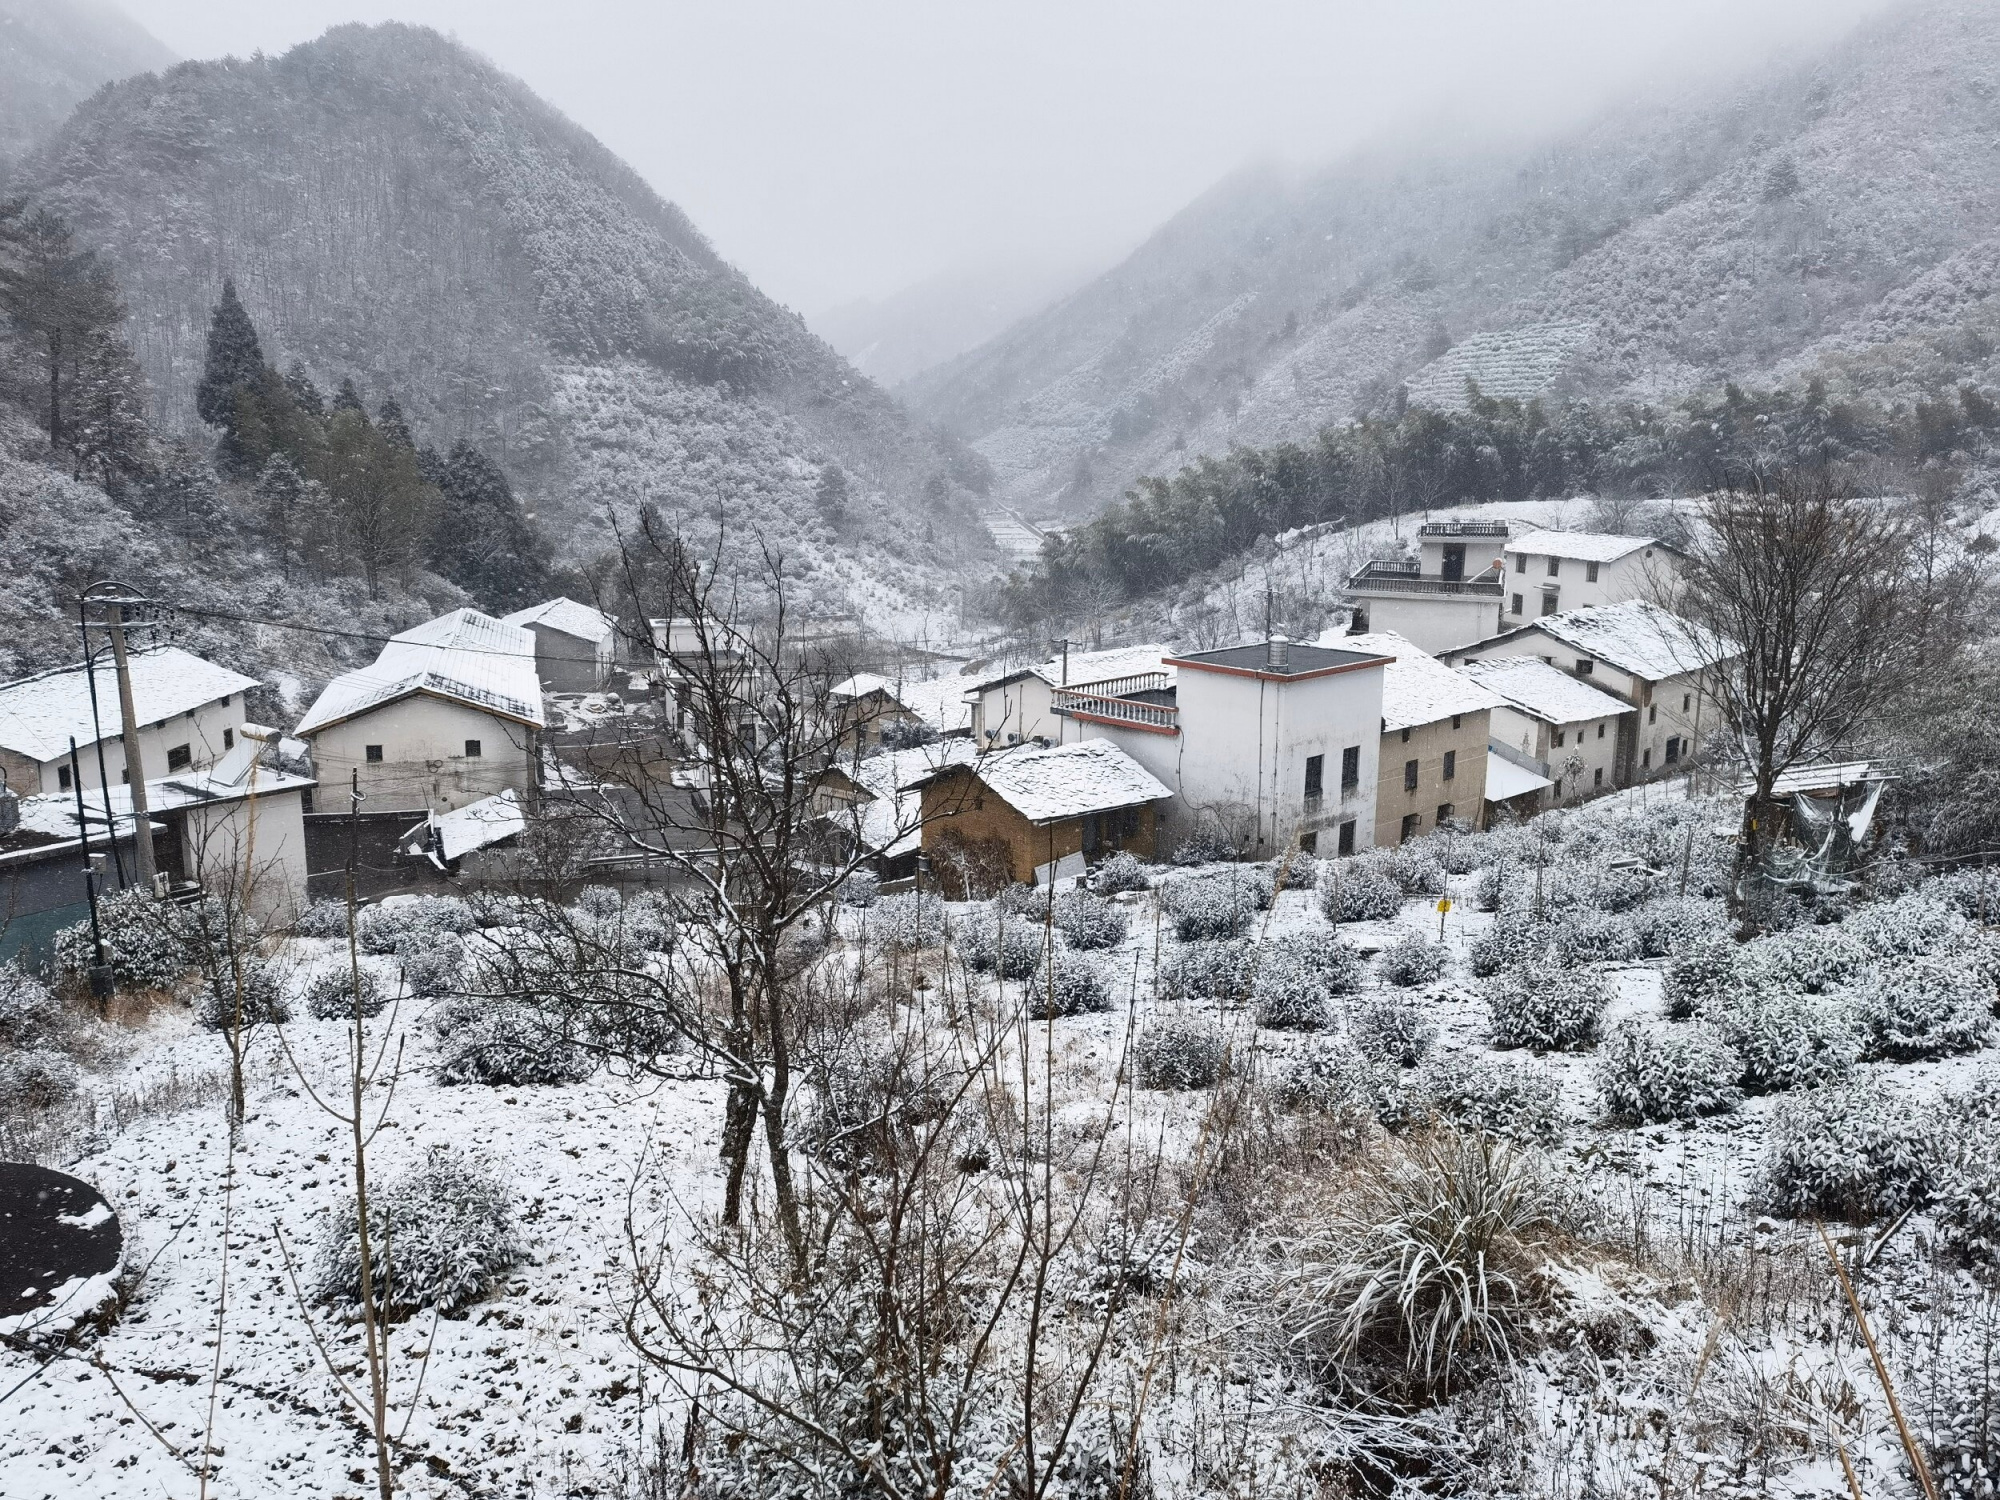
x=395 y=212
x=54 y=54
x=1833 y=217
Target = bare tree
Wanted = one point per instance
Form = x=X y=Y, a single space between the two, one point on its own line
x=1831 y=605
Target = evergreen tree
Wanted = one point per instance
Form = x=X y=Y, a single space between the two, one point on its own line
x=305 y=395
x=234 y=359
x=383 y=510
x=389 y=422
x=108 y=432
x=484 y=541
x=55 y=295
x=347 y=398
x=830 y=494
x=278 y=492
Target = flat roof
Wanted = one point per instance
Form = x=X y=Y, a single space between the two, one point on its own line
x=1300 y=660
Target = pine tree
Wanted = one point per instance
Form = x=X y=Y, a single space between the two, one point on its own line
x=831 y=493
x=234 y=359
x=56 y=295
x=389 y=422
x=108 y=432
x=347 y=398
x=305 y=395
x=278 y=493
x=484 y=541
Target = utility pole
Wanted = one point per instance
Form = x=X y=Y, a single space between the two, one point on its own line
x=135 y=770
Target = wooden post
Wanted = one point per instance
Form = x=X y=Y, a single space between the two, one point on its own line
x=135 y=770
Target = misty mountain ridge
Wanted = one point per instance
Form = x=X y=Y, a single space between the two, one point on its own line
x=395 y=210
x=54 y=54
x=1836 y=216
x=892 y=338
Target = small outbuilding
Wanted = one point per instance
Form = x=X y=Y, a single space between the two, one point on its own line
x=576 y=646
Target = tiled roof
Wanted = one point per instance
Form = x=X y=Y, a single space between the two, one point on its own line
x=39 y=714
x=1417 y=688
x=1583 y=546
x=1545 y=692
x=1068 y=781
x=568 y=616
x=1637 y=637
x=465 y=655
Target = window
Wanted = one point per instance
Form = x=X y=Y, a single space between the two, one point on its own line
x=1673 y=749
x=228 y=738
x=1409 y=776
x=1687 y=702
x=1555 y=567
x=1350 y=767
x=1646 y=756
x=1308 y=843
x=1450 y=765
x=179 y=758
x=1406 y=736
x=1561 y=735
x=1411 y=823
x=1653 y=714
x=1444 y=813
x=373 y=752
x=225 y=700
x=1549 y=602
x=1585 y=666
x=62 y=777
x=1597 y=777
x=1345 y=844
x=472 y=749
x=1520 y=566
x=1315 y=775
x=1458 y=721
x=1600 y=731
x=1517 y=606
x=1590 y=572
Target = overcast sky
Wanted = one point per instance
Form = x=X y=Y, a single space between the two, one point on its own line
x=844 y=149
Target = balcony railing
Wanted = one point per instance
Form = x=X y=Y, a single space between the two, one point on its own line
x=1159 y=718
x=1121 y=687
x=1464 y=528
x=1407 y=578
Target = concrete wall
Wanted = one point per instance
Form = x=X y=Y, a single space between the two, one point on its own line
x=1018 y=711
x=568 y=663
x=1637 y=575
x=259 y=855
x=1434 y=622
x=1427 y=745
x=200 y=729
x=424 y=764
x=1595 y=741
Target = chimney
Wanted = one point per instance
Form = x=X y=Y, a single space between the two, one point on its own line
x=1278 y=653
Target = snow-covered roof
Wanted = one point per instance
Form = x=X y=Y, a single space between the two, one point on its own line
x=1068 y=781
x=1583 y=546
x=39 y=714
x=53 y=814
x=1417 y=688
x=1638 y=637
x=1087 y=667
x=1544 y=692
x=478 y=825
x=465 y=656
x=892 y=822
x=940 y=702
x=568 y=616
x=860 y=685
x=1505 y=780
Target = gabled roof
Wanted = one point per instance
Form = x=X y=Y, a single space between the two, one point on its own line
x=1417 y=688
x=465 y=656
x=566 y=615
x=892 y=820
x=1068 y=781
x=39 y=714
x=1544 y=692
x=1583 y=546
x=1637 y=637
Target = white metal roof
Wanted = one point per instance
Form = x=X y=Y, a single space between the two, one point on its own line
x=39 y=714
x=1583 y=546
x=479 y=824
x=1506 y=780
x=1544 y=692
x=465 y=656
x=1638 y=637
x=1417 y=688
x=1068 y=781
x=860 y=685
x=568 y=616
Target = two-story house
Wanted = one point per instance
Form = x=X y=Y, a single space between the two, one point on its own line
x=1451 y=595
x=1019 y=705
x=1559 y=732
x=1552 y=572
x=1435 y=727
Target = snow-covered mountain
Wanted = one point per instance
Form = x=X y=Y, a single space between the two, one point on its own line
x=1842 y=214
x=53 y=53
x=396 y=210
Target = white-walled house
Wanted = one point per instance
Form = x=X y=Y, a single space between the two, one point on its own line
x=1450 y=596
x=1558 y=728
x=1436 y=723
x=188 y=711
x=1018 y=706
x=1654 y=661
x=576 y=646
x=449 y=713
x=1552 y=572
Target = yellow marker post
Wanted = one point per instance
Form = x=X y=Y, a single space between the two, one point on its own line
x=1444 y=909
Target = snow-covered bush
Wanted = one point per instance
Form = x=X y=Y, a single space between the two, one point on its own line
x=1350 y=891
x=380 y=928
x=1023 y=902
x=438 y=1235
x=1648 y=1073
x=1088 y=921
x=1392 y=1030
x=30 y=1014
x=1179 y=1052
x=1069 y=984
x=1123 y=871
x=1219 y=970
x=432 y=966
x=1811 y=960
x=1788 y=1040
x=144 y=941
x=1581 y=936
x=323 y=919
x=1699 y=977
x=1215 y=906
x=1966 y=1195
x=1855 y=1152
x=908 y=922
x=1414 y=867
x=1914 y=1008
x=506 y=1042
x=1455 y=847
x=1673 y=924
x=1545 y=1008
x=1923 y=921
x=1333 y=1081
x=1298 y=976
x=215 y=1005
x=330 y=994
x=861 y=889
x=1486 y=1093
x=1205 y=844
x=601 y=903
x=992 y=942
x=1413 y=960
x=649 y=923
x=33 y=1078
x=1508 y=943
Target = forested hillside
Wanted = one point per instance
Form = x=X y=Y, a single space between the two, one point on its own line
x=396 y=213
x=1836 y=216
x=53 y=53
